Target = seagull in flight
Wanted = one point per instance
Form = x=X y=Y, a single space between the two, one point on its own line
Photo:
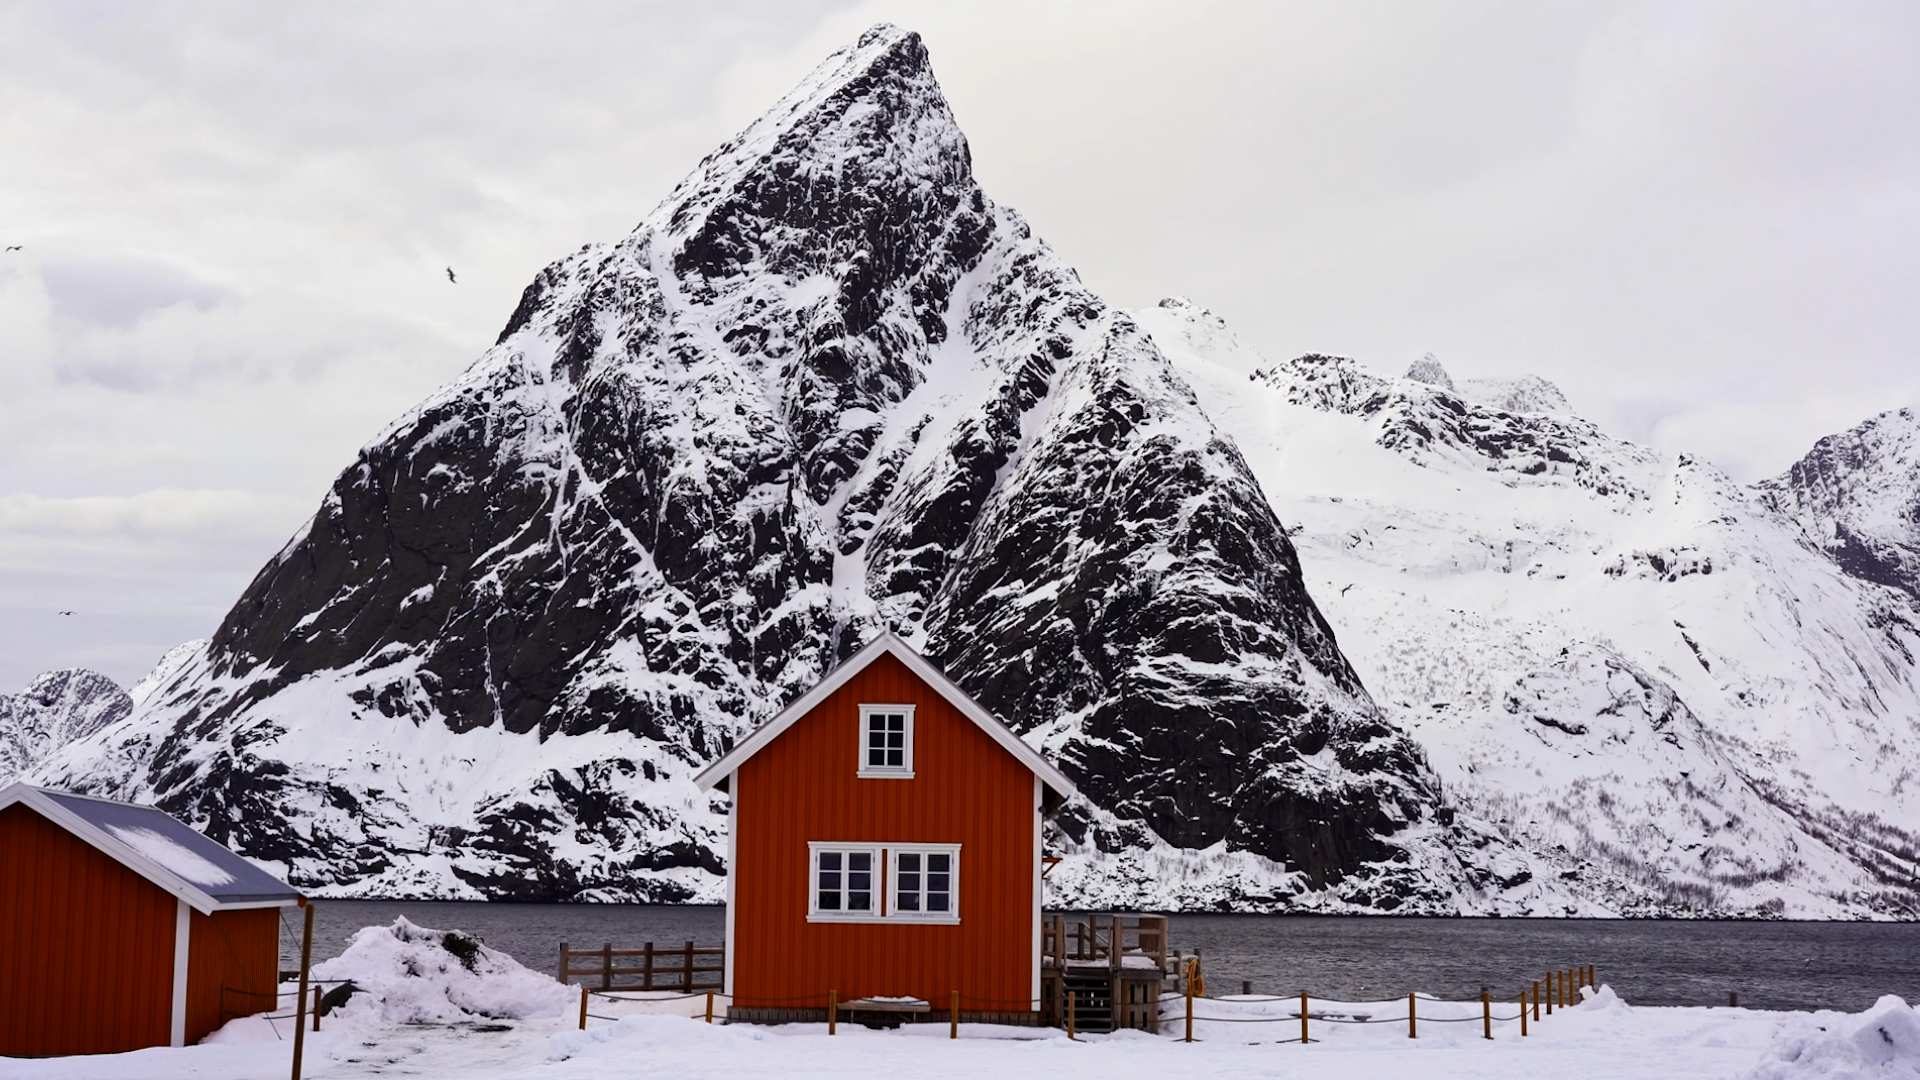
x=13 y=247
x=450 y=276
x=66 y=613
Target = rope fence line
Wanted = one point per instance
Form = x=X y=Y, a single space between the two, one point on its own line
x=1563 y=989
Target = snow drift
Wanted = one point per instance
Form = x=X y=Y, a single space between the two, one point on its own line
x=408 y=974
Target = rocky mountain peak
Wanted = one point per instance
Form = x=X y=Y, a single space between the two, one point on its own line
x=1857 y=496
x=57 y=708
x=1427 y=369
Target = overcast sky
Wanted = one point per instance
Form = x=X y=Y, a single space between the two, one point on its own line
x=1702 y=221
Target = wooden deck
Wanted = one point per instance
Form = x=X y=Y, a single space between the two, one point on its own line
x=1114 y=965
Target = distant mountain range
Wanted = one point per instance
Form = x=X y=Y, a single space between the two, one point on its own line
x=1307 y=637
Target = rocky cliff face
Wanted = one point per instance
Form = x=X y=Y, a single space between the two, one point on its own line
x=56 y=709
x=827 y=386
x=1857 y=495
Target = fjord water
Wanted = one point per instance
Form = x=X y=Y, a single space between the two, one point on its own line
x=1771 y=965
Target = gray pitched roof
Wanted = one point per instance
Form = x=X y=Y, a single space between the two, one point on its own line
x=157 y=846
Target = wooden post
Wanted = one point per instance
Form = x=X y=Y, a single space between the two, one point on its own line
x=833 y=1010
x=583 y=1006
x=1536 y=1000
x=316 y=1008
x=1549 y=993
x=606 y=966
x=953 y=1017
x=1303 y=1017
x=1523 y=1014
x=563 y=962
x=1486 y=1013
x=686 y=976
x=1070 y=997
x=709 y=1006
x=1411 y=1026
x=646 y=966
x=1189 y=1010
x=300 y=998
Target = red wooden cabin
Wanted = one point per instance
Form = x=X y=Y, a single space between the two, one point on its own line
x=121 y=928
x=884 y=842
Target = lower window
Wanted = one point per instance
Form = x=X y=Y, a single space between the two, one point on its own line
x=872 y=883
x=844 y=882
x=925 y=882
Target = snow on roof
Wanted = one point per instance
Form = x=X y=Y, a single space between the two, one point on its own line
x=718 y=772
x=158 y=847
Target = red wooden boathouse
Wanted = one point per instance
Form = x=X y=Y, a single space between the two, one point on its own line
x=121 y=928
x=884 y=843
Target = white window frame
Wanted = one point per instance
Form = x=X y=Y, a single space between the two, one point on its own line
x=949 y=917
x=903 y=771
x=875 y=851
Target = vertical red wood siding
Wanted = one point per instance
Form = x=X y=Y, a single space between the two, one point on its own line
x=238 y=950
x=966 y=790
x=86 y=946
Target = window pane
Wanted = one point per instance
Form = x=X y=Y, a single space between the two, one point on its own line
x=939 y=862
x=936 y=901
x=859 y=901
x=909 y=863
x=938 y=883
x=830 y=901
x=907 y=901
x=859 y=879
x=860 y=860
x=829 y=860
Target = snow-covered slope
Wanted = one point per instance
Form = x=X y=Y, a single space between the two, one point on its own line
x=1857 y=494
x=1616 y=658
x=57 y=708
x=827 y=386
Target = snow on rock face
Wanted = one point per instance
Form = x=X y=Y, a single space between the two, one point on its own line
x=56 y=709
x=1624 y=668
x=826 y=387
x=409 y=974
x=1857 y=494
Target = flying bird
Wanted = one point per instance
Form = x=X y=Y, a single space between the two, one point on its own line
x=66 y=613
x=450 y=276
x=13 y=247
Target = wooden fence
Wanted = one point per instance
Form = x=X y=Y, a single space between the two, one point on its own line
x=688 y=969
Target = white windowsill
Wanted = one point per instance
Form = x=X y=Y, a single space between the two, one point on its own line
x=884 y=774
x=846 y=916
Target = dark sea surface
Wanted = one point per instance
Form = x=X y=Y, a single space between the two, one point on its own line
x=1771 y=965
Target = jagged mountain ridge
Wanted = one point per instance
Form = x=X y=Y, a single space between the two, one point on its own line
x=826 y=387
x=1618 y=659
x=1857 y=494
x=56 y=709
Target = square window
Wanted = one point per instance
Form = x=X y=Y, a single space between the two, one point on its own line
x=843 y=882
x=925 y=882
x=886 y=741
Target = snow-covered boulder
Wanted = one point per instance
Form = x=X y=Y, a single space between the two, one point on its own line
x=1882 y=1043
x=408 y=974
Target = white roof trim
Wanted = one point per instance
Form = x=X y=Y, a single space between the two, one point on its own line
x=886 y=643
x=114 y=849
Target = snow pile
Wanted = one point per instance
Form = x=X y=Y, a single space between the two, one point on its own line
x=171 y=854
x=1881 y=1044
x=412 y=975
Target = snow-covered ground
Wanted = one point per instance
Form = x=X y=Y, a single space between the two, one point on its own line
x=437 y=1003
x=1601 y=1039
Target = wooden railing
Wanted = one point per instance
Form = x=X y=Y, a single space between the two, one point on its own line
x=1105 y=939
x=688 y=969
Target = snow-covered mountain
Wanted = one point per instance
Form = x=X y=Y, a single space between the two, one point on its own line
x=1616 y=658
x=827 y=386
x=57 y=708
x=1858 y=495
